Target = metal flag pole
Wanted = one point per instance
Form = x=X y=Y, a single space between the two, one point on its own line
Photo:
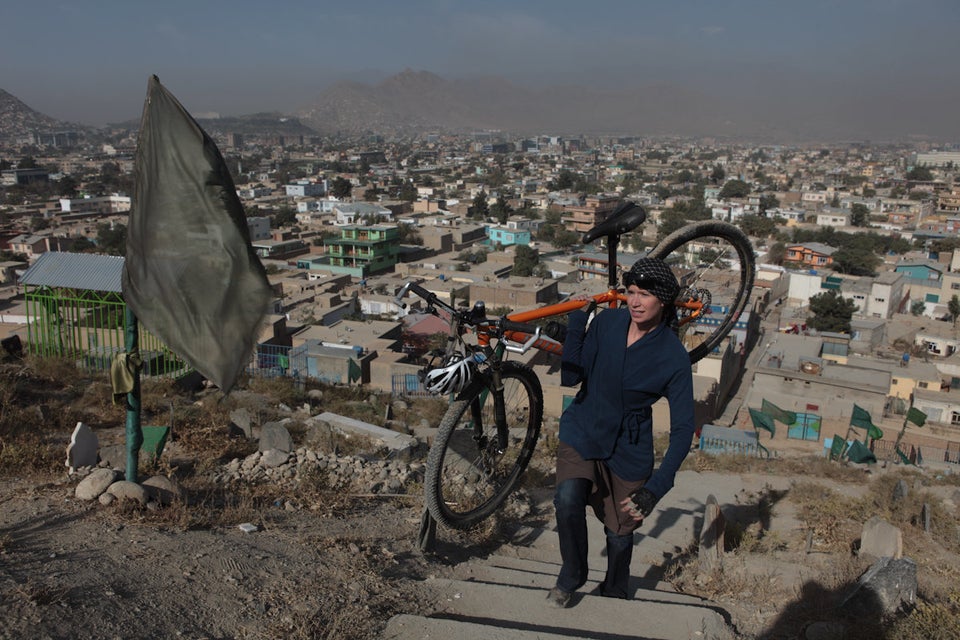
x=134 y=431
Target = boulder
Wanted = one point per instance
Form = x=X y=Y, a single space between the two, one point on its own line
x=95 y=484
x=126 y=490
x=884 y=588
x=162 y=489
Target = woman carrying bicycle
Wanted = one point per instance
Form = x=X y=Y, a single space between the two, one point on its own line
x=628 y=360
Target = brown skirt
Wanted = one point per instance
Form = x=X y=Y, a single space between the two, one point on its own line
x=608 y=488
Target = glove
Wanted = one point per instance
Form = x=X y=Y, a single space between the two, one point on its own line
x=643 y=501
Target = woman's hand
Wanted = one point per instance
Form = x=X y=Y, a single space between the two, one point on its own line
x=628 y=507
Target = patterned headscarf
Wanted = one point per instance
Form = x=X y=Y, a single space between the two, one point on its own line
x=656 y=277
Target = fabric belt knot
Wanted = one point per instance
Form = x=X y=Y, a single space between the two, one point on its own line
x=632 y=422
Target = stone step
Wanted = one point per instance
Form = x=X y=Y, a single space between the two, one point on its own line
x=502 y=608
x=639 y=588
x=408 y=627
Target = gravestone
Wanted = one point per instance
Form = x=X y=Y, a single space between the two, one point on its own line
x=83 y=447
x=712 y=534
x=114 y=455
x=900 y=491
x=240 y=423
x=925 y=516
x=274 y=435
x=884 y=588
x=881 y=539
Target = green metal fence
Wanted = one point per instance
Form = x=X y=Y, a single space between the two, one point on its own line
x=88 y=327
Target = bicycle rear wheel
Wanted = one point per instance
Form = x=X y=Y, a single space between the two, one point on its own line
x=716 y=263
x=470 y=469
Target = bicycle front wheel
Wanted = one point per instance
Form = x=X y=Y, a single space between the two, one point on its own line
x=474 y=463
x=716 y=263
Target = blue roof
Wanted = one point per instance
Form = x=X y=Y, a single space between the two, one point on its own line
x=89 y=271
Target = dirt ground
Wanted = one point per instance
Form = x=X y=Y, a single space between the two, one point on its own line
x=333 y=564
x=81 y=570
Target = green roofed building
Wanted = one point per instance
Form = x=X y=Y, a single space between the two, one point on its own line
x=359 y=251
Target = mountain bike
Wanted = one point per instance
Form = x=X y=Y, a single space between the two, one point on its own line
x=488 y=434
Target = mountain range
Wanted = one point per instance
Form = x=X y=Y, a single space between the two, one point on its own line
x=420 y=101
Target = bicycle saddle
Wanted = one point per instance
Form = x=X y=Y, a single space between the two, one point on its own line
x=624 y=218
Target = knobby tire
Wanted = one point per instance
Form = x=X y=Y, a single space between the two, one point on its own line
x=467 y=481
x=738 y=240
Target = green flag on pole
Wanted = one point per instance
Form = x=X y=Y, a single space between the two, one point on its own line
x=858 y=452
x=916 y=416
x=763 y=421
x=786 y=417
x=837 y=448
x=861 y=419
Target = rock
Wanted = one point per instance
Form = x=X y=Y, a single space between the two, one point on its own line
x=315 y=395
x=240 y=423
x=274 y=435
x=900 y=491
x=162 y=489
x=884 y=588
x=114 y=456
x=82 y=450
x=711 y=536
x=274 y=458
x=106 y=499
x=881 y=539
x=400 y=405
x=95 y=484
x=126 y=490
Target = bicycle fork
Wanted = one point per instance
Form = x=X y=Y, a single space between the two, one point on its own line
x=499 y=414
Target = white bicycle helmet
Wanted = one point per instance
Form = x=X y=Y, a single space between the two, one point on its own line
x=450 y=377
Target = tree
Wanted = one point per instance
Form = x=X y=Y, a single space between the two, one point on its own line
x=735 y=189
x=718 y=174
x=525 y=261
x=501 y=209
x=856 y=261
x=768 y=201
x=564 y=238
x=776 y=253
x=408 y=191
x=284 y=217
x=480 y=209
x=917 y=307
x=565 y=180
x=670 y=221
x=954 y=308
x=920 y=174
x=112 y=239
x=832 y=312
x=341 y=188
x=859 y=215
x=409 y=234
x=757 y=226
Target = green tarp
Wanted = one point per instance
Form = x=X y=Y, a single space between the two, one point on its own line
x=190 y=275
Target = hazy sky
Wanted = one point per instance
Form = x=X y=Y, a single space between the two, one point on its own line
x=89 y=60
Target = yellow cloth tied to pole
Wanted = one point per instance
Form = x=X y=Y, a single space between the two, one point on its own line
x=124 y=370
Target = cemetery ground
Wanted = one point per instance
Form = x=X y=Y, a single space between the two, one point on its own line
x=331 y=559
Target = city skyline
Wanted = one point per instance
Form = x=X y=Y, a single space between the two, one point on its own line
x=90 y=64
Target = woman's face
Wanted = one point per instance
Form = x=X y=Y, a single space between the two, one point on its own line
x=645 y=308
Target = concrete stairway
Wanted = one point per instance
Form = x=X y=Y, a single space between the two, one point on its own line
x=503 y=596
